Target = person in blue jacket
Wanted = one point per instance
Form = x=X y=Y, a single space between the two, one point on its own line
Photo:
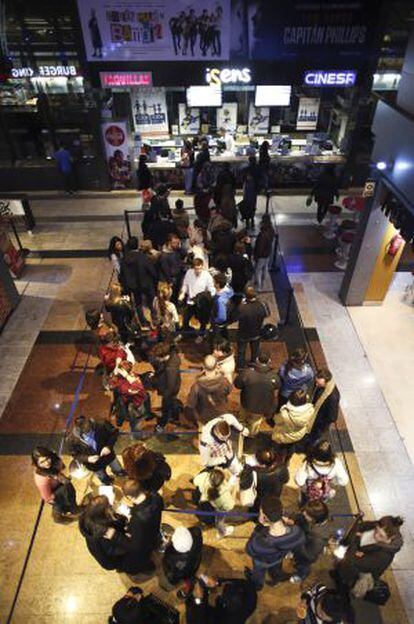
x=270 y=542
x=221 y=307
x=295 y=374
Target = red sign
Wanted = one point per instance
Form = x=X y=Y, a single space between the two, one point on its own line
x=114 y=135
x=126 y=79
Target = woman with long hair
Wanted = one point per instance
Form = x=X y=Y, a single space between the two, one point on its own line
x=165 y=312
x=121 y=310
x=54 y=486
x=219 y=489
x=116 y=252
x=320 y=471
x=106 y=536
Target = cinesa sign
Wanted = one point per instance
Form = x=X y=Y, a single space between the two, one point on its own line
x=323 y=78
x=228 y=76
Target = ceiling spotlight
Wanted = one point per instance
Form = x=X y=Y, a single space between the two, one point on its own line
x=381 y=165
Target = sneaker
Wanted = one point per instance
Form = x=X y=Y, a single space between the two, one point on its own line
x=295 y=579
x=159 y=429
x=228 y=530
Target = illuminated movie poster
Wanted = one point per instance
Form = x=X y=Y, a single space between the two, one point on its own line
x=116 y=143
x=188 y=119
x=227 y=117
x=308 y=112
x=161 y=30
x=149 y=110
x=258 y=119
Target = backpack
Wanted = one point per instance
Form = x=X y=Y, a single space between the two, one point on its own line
x=319 y=488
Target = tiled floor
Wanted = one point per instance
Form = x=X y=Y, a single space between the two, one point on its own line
x=62 y=583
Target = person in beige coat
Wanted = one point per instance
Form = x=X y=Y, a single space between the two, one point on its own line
x=295 y=420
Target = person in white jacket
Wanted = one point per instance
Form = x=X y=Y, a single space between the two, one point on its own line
x=216 y=448
x=320 y=471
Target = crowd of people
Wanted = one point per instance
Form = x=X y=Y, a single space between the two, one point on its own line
x=187 y=283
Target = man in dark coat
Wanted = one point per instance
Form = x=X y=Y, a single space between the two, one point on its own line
x=208 y=397
x=234 y=601
x=251 y=315
x=144 y=523
x=166 y=379
x=172 y=264
x=131 y=269
x=92 y=444
x=182 y=556
x=324 y=191
x=326 y=400
x=259 y=385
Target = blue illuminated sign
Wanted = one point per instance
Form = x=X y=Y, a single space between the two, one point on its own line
x=330 y=78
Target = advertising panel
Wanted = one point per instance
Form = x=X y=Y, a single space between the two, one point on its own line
x=188 y=120
x=227 y=117
x=155 y=30
x=149 y=110
x=258 y=119
x=308 y=112
x=116 y=143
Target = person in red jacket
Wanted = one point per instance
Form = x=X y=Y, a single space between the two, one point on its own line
x=130 y=397
x=110 y=351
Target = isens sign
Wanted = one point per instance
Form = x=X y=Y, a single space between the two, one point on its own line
x=323 y=78
x=228 y=75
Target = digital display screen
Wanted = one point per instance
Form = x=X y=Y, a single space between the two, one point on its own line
x=203 y=96
x=273 y=95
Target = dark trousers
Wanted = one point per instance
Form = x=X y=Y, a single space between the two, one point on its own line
x=242 y=348
x=139 y=307
x=188 y=313
x=169 y=411
x=69 y=181
x=322 y=210
x=65 y=498
x=260 y=569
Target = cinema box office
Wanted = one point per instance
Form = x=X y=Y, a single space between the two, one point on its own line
x=305 y=124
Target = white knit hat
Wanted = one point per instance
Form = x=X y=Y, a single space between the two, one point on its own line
x=182 y=540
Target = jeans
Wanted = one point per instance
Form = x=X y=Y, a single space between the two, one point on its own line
x=115 y=467
x=259 y=571
x=262 y=267
x=242 y=348
x=188 y=180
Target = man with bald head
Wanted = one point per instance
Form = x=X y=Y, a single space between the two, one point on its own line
x=208 y=396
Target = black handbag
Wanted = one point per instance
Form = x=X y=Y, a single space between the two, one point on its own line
x=379 y=594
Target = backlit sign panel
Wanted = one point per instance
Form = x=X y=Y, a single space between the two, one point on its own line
x=330 y=78
x=125 y=79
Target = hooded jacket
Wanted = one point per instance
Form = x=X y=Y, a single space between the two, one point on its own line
x=207 y=439
x=221 y=304
x=179 y=566
x=258 y=387
x=269 y=549
x=208 y=397
x=293 y=423
x=295 y=379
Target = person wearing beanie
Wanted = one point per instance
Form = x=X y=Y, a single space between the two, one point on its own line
x=251 y=315
x=259 y=385
x=182 y=556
